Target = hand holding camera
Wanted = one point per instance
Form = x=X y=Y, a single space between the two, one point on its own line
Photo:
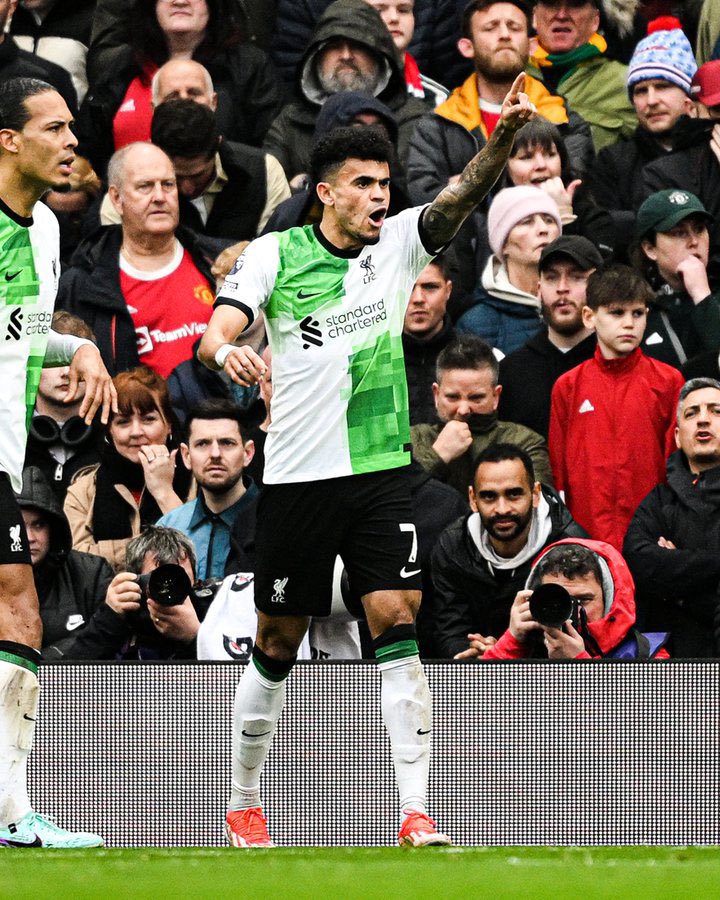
x=522 y=623
x=124 y=594
x=178 y=622
x=563 y=643
x=553 y=611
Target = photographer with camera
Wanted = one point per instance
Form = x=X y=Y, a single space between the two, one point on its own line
x=150 y=610
x=579 y=604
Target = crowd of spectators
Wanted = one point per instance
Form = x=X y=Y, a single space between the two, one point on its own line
x=562 y=354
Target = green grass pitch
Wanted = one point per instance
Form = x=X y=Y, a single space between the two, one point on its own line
x=387 y=873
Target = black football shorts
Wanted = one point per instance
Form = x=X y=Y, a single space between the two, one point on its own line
x=14 y=547
x=303 y=527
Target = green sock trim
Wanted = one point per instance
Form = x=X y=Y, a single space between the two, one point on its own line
x=271 y=676
x=398 y=650
x=18 y=661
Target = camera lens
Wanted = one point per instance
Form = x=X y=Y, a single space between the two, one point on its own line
x=168 y=584
x=551 y=605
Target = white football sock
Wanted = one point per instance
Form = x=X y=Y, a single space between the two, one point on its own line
x=258 y=705
x=19 y=690
x=407 y=713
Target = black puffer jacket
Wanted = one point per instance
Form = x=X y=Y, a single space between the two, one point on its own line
x=90 y=288
x=473 y=597
x=433 y=45
x=71 y=585
x=677 y=590
x=290 y=139
x=73 y=436
x=616 y=183
x=17 y=63
x=62 y=36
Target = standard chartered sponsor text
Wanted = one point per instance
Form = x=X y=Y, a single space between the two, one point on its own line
x=356 y=319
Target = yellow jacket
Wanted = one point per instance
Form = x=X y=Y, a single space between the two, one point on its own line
x=463 y=104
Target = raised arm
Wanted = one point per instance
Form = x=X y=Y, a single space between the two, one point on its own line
x=443 y=218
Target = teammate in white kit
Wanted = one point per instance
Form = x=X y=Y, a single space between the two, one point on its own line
x=333 y=297
x=36 y=154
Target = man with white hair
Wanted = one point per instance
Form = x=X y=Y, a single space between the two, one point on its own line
x=144 y=286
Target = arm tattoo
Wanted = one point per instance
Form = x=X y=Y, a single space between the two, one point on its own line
x=443 y=218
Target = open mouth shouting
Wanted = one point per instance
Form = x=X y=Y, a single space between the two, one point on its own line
x=377 y=216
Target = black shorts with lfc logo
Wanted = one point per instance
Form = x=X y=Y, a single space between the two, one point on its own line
x=303 y=527
x=14 y=547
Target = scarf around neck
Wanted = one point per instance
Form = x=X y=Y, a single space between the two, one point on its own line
x=596 y=46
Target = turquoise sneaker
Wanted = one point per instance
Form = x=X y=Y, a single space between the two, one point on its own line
x=34 y=830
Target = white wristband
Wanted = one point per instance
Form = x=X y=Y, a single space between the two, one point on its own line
x=222 y=354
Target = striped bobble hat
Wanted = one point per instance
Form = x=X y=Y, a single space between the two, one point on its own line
x=665 y=53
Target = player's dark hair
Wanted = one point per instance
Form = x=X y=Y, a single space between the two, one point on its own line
x=569 y=561
x=212 y=410
x=479 y=5
x=167 y=545
x=467 y=351
x=617 y=284
x=337 y=146
x=14 y=112
x=501 y=452
x=185 y=128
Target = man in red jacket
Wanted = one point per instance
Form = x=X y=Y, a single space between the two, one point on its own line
x=612 y=418
x=603 y=592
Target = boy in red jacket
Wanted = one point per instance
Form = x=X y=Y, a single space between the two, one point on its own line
x=612 y=418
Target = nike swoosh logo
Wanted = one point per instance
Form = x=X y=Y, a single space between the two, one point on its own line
x=13 y=276
x=303 y=295
x=247 y=733
x=420 y=731
x=21 y=844
x=405 y=574
x=29 y=718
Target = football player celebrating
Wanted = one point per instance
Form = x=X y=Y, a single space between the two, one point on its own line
x=333 y=297
x=36 y=154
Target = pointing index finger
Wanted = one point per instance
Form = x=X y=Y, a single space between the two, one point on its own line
x=517 y=86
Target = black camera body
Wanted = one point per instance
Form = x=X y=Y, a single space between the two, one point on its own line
x=168 y=585
x=552 y=605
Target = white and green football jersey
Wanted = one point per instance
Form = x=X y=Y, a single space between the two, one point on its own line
x=29 y=272
x=334 y=322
